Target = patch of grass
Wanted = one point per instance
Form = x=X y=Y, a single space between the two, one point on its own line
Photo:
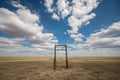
x=42 y=69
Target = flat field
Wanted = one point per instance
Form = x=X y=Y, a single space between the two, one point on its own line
x=41 y=68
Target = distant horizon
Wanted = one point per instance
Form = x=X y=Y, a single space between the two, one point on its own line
x=69 y=56
x=60 y=56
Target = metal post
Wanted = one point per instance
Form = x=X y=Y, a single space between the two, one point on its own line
x=66 y=57
x=55 y=57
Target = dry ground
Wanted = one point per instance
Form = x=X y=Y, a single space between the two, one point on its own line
x=37 y=68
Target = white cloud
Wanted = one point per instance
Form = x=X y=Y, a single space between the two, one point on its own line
x=24 y=24
x=112 y=30
x=98 y=52
x=102 y=43
x=105 y=37
x=48 y=5
x=86 y=49
x=61 y=8
x=64 y=13
x=13 y=47
x=17 y=25
x=77 y=37
x=83 y=7
x=87 y=23
x=61 y=5
x=17 y=4
x=55 y=16
x=10 y=40
x=79 y=13
x=26 y=16
x=76 y=23
x=10 y=44
x=41 y=38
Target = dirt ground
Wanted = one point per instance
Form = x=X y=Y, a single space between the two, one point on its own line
x=37 y=68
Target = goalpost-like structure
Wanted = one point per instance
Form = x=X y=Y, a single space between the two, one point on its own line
x=60 y=48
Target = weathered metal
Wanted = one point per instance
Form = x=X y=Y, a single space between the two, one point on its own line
x=60 y=48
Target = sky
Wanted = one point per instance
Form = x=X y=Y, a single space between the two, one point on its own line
x=89 y=28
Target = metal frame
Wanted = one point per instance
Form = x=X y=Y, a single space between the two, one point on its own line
x=64 y=48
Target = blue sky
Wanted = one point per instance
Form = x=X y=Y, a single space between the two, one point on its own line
x=33 y=27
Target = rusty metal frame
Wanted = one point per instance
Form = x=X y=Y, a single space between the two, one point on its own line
x=55 y=50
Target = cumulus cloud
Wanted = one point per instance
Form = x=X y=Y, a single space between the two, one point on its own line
x=10 y=40
x=55 y=16
x=77 y=37
x=79 y=13
x=48 y=4
x=24 y=24
x=10 y=44
x=41 y=38
x=76 y=23
x=14 y=47
x=17 y=24
x=61 y=7
x=105 y=38
x=104 y=42
x=64 y=13
x=97 y=52
x=17 y=4
x=112 y=30
x=83 y=7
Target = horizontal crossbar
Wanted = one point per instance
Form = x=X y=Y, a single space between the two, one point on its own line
x=60 y=45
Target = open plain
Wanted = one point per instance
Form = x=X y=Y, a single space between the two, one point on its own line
x=41 y=68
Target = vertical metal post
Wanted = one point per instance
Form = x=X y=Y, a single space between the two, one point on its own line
x=55 y=57
x=66 y=56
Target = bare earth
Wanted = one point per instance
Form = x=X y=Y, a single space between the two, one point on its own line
x=39 y=68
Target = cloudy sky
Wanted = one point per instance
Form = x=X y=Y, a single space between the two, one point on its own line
x=33 y=27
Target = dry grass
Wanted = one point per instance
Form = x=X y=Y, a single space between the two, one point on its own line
x=37 y=68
